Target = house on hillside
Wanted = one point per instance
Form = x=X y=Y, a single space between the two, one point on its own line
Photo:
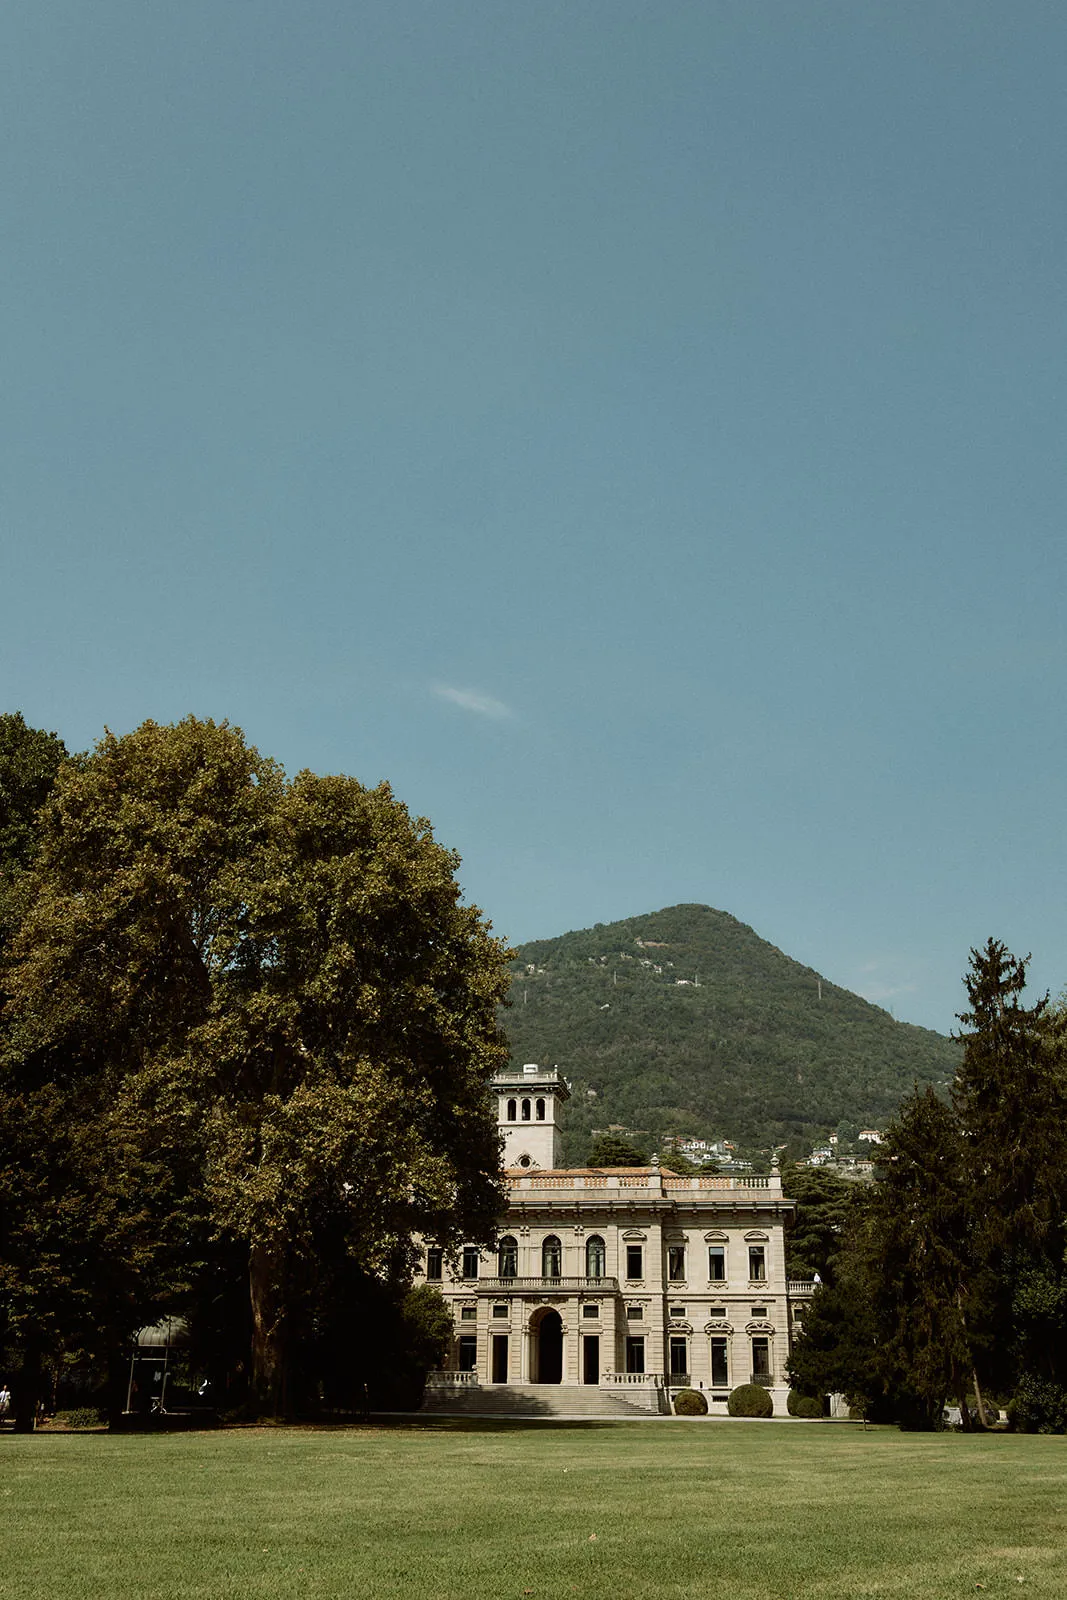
x=623 y=1282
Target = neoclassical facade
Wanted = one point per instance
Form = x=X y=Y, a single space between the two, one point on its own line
x=633 y=1280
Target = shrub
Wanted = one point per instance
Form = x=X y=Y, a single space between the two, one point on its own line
x=79 y=1417
x=803 y=1405
x=690 y=1403
x=1038 y=1406
x=750 y=1400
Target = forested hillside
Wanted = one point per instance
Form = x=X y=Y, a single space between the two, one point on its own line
x=685 y=1020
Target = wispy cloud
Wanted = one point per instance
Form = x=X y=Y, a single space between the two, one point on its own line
x=483 y=705
x=877 y=992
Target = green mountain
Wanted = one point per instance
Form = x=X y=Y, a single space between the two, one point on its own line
x=686 y=1021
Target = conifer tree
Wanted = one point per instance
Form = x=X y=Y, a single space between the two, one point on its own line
x=1010 y=1096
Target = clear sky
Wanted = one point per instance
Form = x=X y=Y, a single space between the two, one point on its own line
x=636 y=430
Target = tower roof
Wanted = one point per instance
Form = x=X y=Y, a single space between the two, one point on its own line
x=532 y=1079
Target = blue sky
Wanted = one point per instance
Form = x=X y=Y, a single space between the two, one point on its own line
x=635 y=430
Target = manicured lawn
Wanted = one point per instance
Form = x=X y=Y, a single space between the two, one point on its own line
x=440 y=1511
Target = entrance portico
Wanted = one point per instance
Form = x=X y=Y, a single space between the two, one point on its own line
x=547 y=1345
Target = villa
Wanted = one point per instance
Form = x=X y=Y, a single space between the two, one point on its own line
x=623 y=1283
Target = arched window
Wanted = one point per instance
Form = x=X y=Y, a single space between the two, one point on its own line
x=526 y=1111
x=595 y=1257
x=551 y=1258
x=540 y=1111
x=508 y=1255
x=512 y=1111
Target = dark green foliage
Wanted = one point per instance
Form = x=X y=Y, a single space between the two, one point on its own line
x=244 y=1011
x=951 y=1273
x=690 y=1403
x=29 y=761
x=837 y=1351
x=608 y=1150
x=1039 y=1405
x=815 y=1234
x=750 y=1400
x=803 y=1405
x=751 y=1051
x=921 y=1261
x=1011 y=1098
x=377 y=1341
x=79 y=1417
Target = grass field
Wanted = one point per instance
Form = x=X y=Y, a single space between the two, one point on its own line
x=450 y=1511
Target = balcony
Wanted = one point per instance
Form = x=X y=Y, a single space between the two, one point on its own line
x=542 y=1285
x=801 y=1287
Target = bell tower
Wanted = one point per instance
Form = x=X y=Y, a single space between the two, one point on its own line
x=527 y=1110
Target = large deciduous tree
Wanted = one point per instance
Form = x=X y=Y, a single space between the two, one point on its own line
x=276 y=990
x=29 y=761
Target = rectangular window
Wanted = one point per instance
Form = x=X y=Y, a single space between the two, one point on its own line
x=720 y=1371
x=717 y=1313
x=679 y=1358
x=635 y=1352
x=761 y=1360
x=634 y=1261
x=500 y=1311
x=757 y=1264
x=717 y=1263
x=469 y=1314
x=635 y=1313
x=759 y=1311
x=676 y=1263
x=434 y=1261
x=470 y=1262
x=468 y=1352
x=677 y=1311
x=590 y=1311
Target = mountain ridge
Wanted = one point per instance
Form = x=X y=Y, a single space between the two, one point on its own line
x=685 y=1020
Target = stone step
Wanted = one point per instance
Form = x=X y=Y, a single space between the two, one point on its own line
x=538 y=1400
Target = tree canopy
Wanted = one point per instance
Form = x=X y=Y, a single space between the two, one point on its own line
x=264 y=1000
x=612 y=1150
x=951 y=1279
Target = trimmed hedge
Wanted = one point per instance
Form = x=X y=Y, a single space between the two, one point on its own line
x=803 y=1405
x=79 y=1417
x=750 y=1400
x=690 y=1403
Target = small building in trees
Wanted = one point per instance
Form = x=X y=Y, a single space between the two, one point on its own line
x=623 y=1282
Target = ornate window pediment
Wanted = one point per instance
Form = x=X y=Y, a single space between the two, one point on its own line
x=716 y=1236
x=759 y=1327
x=634 y=1233
x=757 y=1236
x=718 y=1327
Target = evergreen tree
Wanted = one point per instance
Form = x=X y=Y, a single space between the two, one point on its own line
x=611 y=1150
x=1010 y=1095
x=920 y=1262
x=816 y=1233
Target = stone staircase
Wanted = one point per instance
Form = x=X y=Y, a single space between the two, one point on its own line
x=537 y=1400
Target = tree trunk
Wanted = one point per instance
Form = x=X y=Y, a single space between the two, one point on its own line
x=983 y=1419
x=118 y=1383
x=27 y=1388
x=265 y=1282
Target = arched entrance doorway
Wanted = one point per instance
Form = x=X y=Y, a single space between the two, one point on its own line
x=549 y=1340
